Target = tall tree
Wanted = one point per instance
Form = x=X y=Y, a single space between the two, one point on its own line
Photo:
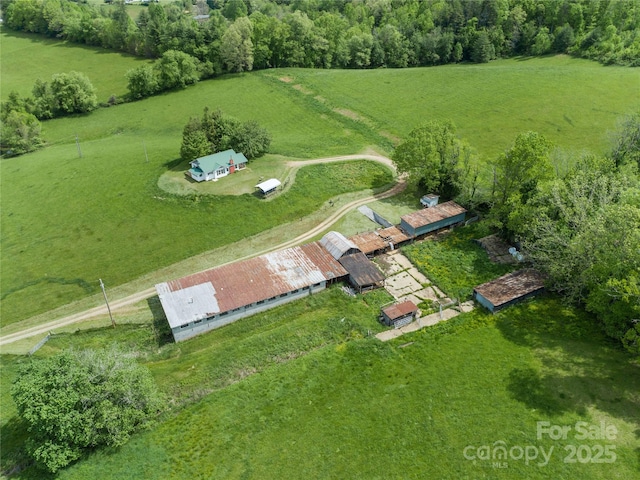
x=433 y=157
x=176 y=70
x=626 y=148
x=236 y=48
x=141 y=82
x=194 y=141
x=20 y=133
x=76 y=401
x=517 y=174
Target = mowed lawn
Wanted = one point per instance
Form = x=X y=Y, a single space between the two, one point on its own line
x=67 y=221
x=297 y=398
x=28 y=57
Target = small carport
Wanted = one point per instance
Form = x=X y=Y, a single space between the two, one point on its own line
x=268 y=186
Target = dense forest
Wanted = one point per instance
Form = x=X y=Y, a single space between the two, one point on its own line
x=239 y=35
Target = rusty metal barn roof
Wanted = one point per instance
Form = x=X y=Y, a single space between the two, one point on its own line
x=242 y=283
x=368 y=242
x=511 y=286
x=361 y=270
x=394 y=235
x=400 y=310
x=427 y=216
x=337 y=244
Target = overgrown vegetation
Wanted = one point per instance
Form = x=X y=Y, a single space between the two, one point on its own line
x=454 y=262
x=81 y=400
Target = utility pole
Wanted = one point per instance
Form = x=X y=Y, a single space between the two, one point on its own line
x=113 y=323
x=78 y=145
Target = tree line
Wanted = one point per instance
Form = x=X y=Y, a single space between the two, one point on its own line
x=65 y=94
x=241 y=35
x=576 y=219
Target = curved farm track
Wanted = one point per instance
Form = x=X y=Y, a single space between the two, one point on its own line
x=150 y=292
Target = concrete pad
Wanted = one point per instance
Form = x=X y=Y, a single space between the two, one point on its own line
x=388 y=335
x=426 y=294
x=413 y=298
x=419 y=276
x=467 y=306
x=422 y=322
x=388 y=265
x=440 y=293
x=401 y=259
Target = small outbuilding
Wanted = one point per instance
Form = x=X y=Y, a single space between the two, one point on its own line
x=433 y=218
x=338 y=245
x=509 y=289
x=268 y=186
x=400 y=314
x=429 y=201
x=363 y=273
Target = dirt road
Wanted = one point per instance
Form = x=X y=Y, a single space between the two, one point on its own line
x=149 y=292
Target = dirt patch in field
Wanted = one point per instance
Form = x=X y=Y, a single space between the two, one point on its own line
x=302 y=89
x=349 y=114
x=320 y=99
x=286 y=79
x=395 y=140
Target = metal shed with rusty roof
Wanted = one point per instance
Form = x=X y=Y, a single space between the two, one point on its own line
x=509 y=289
x=431 y=219
x=213 y=298
x=399 y=314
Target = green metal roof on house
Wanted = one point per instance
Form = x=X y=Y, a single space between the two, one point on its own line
x=211 y=163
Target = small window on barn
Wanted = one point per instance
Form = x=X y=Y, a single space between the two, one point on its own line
x=283 y=295
x=223 y=314
x=184 y=326
x=198 y=321
x=260 y=302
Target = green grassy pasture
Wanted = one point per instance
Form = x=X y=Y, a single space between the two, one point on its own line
x=28 y=57
x=295 y=394
x=67 y=221
x=53 y=256
x=571 y=101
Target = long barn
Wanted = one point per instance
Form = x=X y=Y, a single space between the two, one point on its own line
x=207 y=300
x=431 y=219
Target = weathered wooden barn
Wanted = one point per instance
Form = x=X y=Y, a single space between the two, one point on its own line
x=399 y=314
x=363 y=273
x=431 y=219
x=370 y=243
x=213 y=167
x=338 y=245
x=207 y=300
x=379 y=241
x=509 y=289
